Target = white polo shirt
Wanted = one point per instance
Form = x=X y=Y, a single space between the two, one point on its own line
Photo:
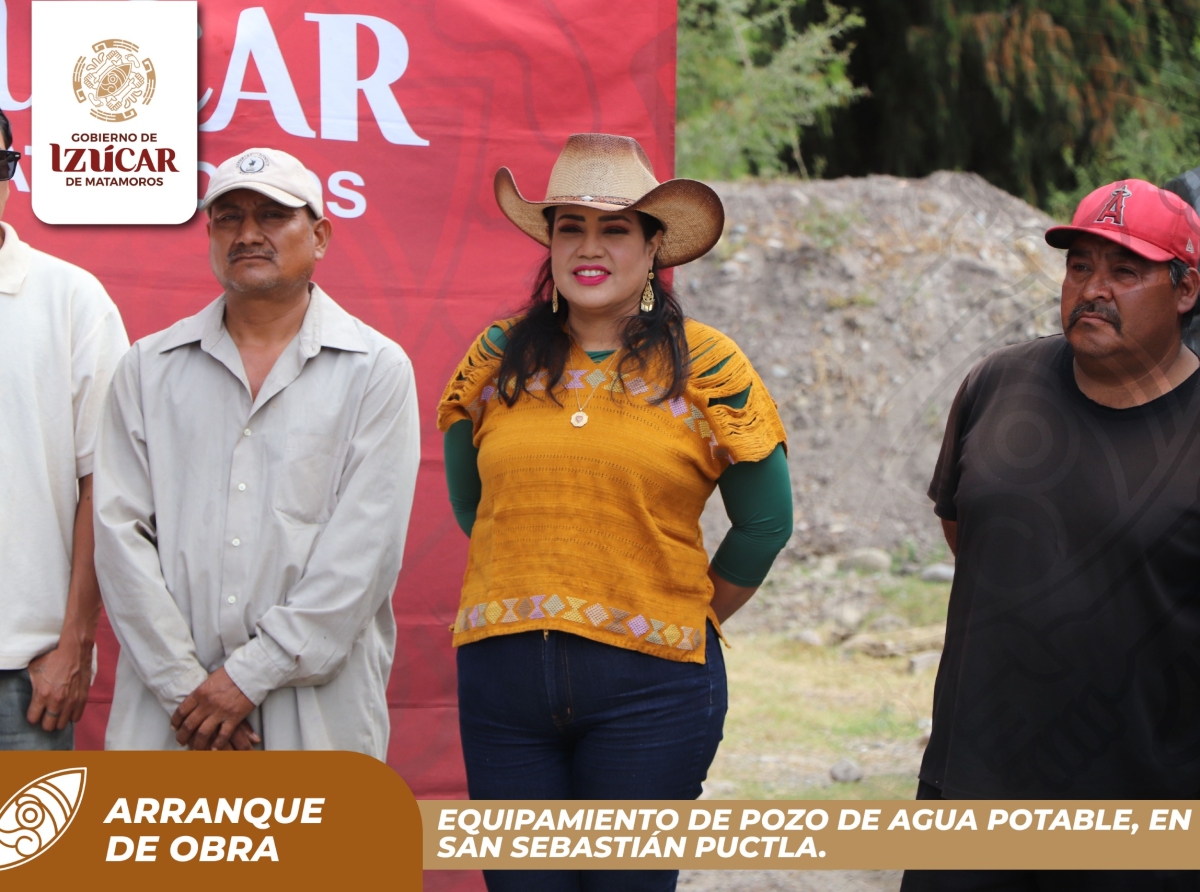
x=60 y=339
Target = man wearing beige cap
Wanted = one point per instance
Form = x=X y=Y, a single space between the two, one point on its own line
x=255 y=472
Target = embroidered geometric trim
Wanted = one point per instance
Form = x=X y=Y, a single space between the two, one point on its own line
x=573 y=379
x=577 y=610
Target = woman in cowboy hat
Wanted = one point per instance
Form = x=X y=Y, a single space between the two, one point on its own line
x=583 y=438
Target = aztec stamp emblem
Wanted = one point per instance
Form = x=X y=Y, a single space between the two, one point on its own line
x=114 y=81
x=38 y=815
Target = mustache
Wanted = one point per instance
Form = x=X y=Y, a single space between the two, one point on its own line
x=1096 y=308
x=246 y=251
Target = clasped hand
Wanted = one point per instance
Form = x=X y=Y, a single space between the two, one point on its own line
x=60 y=681
x=213 y=717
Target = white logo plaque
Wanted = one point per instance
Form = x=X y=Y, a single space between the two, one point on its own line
x=114 y=111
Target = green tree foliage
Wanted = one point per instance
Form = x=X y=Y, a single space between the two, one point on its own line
x=1155 y=137
x=750 y=81
x=1045 y=98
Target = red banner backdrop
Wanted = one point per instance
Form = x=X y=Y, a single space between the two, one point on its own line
x=405 y=111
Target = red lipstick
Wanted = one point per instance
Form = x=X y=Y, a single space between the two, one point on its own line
x=590 y=275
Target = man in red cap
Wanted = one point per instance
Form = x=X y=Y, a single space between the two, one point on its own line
x=1069 y=489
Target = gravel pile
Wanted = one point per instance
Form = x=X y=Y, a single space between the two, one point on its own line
x=863 y=303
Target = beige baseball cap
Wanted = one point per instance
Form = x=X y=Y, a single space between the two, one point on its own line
x=273 y=173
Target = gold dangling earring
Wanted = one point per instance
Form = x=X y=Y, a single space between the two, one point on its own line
x=647 y=304
x=554 y=301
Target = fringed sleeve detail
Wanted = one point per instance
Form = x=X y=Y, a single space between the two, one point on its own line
x=746 y=434
x=473 y=383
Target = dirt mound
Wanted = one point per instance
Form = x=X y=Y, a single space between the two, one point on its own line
x=863 y=303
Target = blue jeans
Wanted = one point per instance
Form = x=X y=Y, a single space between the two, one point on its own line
x=16 y=692
x=556 y=716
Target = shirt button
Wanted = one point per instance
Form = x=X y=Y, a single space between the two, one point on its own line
x=236 y=542
x=246 y=432
x=241 y=487
x=232 y=599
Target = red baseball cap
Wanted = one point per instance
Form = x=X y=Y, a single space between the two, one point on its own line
x=1151 y=222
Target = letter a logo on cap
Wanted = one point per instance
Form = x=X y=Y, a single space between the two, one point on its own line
x=1114 y=210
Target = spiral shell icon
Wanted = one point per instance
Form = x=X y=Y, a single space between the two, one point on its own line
x=34 y=819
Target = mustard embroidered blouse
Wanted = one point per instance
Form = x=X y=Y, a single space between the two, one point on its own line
x=595 y=530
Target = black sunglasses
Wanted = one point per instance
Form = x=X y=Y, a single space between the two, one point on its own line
x=8 y=164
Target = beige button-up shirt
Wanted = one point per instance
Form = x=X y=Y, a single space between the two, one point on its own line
x=264 y=535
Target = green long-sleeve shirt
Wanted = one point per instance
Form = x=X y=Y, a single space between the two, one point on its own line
x=757 y=495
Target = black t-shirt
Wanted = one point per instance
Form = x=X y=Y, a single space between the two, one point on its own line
x=1072 y=659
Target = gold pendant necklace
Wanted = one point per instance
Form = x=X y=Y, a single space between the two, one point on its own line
x=580 y=418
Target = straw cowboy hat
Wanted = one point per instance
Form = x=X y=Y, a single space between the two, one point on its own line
x=612 y=173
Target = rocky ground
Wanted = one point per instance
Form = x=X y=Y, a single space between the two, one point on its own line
x=831 y=677
x=863 y=303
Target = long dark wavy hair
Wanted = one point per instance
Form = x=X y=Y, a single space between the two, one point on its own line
x=539 y=340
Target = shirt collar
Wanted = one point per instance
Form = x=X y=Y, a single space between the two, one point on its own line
x=207 y=326
x=15 y=258
x=325 y=325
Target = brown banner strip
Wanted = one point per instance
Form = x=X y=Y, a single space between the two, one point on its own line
x=188 y=820
x=788 y=835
